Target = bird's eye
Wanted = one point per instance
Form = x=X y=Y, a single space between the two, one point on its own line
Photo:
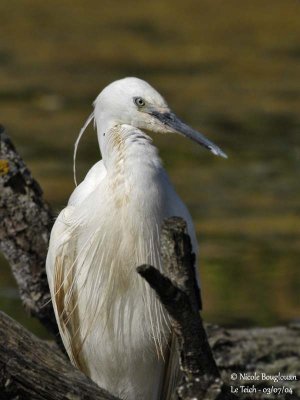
x=139 y=101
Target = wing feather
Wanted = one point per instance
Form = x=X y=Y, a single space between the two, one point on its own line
x=171 y=371
x=66 y=304
x=61 y=269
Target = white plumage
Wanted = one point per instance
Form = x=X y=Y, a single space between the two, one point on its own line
x=113 y=327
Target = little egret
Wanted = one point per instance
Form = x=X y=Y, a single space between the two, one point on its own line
x=113 y=327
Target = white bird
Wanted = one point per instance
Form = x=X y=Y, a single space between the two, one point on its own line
x=113 y=327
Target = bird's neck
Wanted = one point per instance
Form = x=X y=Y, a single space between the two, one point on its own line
x=135 y=174
x=124 y=146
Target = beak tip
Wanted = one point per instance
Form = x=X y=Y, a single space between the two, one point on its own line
x=218 y=152
x=170 y=120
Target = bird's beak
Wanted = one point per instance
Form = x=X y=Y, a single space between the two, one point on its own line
x=173 y=124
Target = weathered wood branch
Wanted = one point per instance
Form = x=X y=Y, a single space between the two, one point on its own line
x=178 y=292
x=236 y=352
x=25 y=224
x=245 y=352
x=25 y=362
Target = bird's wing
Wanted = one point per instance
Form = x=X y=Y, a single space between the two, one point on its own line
x=172 y=371
x=61 y=267
x=87 y=186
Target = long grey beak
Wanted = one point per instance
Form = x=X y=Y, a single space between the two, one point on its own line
x=171 y=121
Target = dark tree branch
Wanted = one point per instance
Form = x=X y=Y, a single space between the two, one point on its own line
x=24 y=362
x=26 y=221
x=179 y=294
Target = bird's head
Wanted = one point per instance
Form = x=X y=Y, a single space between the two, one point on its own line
x=134 y=102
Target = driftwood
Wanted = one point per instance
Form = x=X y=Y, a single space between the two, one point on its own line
x=33 y=369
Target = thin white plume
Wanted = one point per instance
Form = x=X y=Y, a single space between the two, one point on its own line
x=87 y=122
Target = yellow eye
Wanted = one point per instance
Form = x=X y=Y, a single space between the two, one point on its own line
x=139 y=101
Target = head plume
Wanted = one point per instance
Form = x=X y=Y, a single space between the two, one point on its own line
x=87 y=122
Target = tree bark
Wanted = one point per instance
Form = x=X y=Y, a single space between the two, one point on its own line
x=25 y=225
x=245 y=352
x=32 y=369
x=179 y=293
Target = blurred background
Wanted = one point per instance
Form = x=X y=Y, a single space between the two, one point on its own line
x=231 y=70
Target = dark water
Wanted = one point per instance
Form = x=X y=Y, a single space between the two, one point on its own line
x=232 y=72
